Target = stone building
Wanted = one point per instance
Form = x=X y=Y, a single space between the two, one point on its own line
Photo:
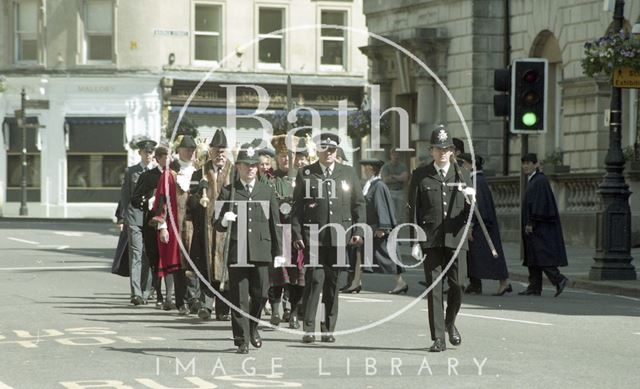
x=114 y=70
x=463 y=41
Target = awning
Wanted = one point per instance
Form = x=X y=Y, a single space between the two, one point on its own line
x=102 y=120
x=244 y=111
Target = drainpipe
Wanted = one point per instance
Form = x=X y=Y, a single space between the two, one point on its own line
x=507 y=62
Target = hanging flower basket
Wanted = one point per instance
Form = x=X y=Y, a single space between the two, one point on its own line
x=605 y=54
x=281 y=125
x=360 y=124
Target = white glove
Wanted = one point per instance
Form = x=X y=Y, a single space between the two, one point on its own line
x=469 y=191
x=152 y=201
x=416 y=252
x=204 y=202
x=228 y=217
x=279 y=261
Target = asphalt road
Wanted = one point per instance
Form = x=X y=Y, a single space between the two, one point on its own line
x=67 y=323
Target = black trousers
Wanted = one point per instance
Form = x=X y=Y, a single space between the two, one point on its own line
x=207 y=297
x=248 y=288
x=437 y=259
x=321 y=279
x=535 y=276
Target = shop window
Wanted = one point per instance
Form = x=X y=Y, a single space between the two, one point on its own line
x=96 y=159
x=13 y=138
x=207 y=32
x=26 y=31
x=271 y=45
x=333 y=40
x=98 y=27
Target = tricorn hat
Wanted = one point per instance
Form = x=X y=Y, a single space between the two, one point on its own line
x=531 y=157
x=187 y=142
x=441 y=138
x=342 y=155
x=248 y=154
x=458 y=144
x=219 y=139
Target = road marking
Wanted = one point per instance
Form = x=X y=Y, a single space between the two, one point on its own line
x=501 y=319
x=363 y=299
x=68 y=233
x=5 y=386
x=22 y=240
x=636 y=333
x=55 y=267
x=53 y=246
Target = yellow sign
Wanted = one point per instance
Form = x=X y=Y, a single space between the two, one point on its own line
x=626 y=78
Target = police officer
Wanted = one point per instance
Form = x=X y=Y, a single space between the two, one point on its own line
x=254 y=238
x=325 y=192
x=442 y=204
x=132 y=218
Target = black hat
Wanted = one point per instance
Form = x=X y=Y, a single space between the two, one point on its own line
x=458 y=144
x=327 y=139
x=341 y=155
x=262 y=150
x=441 y=138
x=248 y=154
x=219 y=139
x=373 y=162
x=468 y=158
x=146 y=144
x=531 y=157
x=302 y=147
x=187 y=142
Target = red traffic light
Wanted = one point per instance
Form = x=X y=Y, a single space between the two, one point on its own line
x=530 y=76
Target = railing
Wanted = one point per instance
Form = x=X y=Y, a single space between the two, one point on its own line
x=506 y=193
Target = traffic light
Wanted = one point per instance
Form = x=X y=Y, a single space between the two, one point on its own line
x=529 y=96
x=501 y=83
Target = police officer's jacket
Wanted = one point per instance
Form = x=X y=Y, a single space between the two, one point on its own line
x=322 y=200
x=440 y=206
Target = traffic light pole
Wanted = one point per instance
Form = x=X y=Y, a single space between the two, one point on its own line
x=23 y=158
x=613 y=234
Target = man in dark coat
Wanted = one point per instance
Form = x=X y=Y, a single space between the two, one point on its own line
x=132 y=218
x=325 y=192
x=480 y=262
x=255 y=241
x=544 y=248
x=442 y=204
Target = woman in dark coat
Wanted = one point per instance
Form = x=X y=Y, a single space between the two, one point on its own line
x=481 y=264
x=381 y=219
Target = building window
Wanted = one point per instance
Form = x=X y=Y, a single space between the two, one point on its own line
x=26 y=32
x=13 y=138
x=333 y=40
x=98 y=31
x=207 y=32
x=271 y=45
x=96 y=159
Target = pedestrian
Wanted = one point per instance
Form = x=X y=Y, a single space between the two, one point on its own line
x=132 y=218
x=480 y=262
x=325 y=193
x=260 y=242
x=544 y=249
x=381 y=218
x=442 y=206
x=396 y=175
x=207 y=243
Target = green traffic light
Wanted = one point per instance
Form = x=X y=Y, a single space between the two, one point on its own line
x=529 y=119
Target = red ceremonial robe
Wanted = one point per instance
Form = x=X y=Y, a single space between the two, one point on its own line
x=165 y=209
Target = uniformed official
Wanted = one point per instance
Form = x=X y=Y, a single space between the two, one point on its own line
x=259 y=244
x=325 y=192
x=442 y=205
x=132 y=218
x=207 y=244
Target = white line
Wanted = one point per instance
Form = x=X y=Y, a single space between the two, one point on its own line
x=53 y=246
x=502 y=319
x=362 y=299
x=22 y=240
x=5 y=386
x=68 y=233
x=55 y=267
x=636 y=333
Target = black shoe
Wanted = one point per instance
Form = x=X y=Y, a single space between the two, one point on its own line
x=137 y=300
x=286 y=315
x=357 y=289
x=308 y=339
x=454 y=336
x=223 y=317
x=438 y=345
x=183 y=310
x=561 y=285
x=404 y=290
x=275 y=320
x=328 y=339
x=508 y=289
x=242 y=349
x=530 y=292
x=194 y=306
x=255 y=339
x=423 y=283
x=293 y=322
x=204 y=313
x=472 y=289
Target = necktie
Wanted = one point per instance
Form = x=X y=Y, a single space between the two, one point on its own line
x=442 y=174
x=327 y=172
x=249 y=188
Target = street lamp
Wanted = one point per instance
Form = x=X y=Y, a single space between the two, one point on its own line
x=613 y=234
